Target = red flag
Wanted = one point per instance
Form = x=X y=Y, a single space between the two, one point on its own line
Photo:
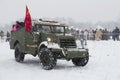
x=27 y=21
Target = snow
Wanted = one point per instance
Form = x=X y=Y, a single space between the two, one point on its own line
x=103 y=65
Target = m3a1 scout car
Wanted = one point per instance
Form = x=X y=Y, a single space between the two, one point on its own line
x=50 y=41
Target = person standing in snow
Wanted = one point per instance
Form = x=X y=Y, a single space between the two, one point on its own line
x=85 y=34
x=8 y=36
x=1 y=34
x=116 y=32
x=94 y=34
x=99 y=34
x=90 y=34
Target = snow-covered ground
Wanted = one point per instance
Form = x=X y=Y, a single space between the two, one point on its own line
x=103 y=65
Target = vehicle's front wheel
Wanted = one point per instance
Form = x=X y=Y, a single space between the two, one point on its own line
x=19 y=56
x=81 y=61
x=47 y=59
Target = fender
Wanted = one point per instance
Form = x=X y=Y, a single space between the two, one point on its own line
x=49 y=45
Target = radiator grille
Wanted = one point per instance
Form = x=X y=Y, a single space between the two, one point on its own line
x=67 y=43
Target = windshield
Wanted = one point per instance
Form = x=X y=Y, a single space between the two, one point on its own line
x=57 y=29
x=50 y=29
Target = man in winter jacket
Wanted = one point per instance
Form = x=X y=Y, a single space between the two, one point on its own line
x=116 y=33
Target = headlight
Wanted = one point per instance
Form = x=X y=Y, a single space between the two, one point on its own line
x=49 y=39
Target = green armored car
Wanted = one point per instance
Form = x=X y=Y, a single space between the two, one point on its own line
x=50 y=41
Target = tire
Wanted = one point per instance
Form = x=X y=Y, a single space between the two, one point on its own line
x=19 y=56
x=47 y=59
x=81 y=61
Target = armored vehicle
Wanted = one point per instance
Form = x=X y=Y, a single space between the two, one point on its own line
x=49 y=41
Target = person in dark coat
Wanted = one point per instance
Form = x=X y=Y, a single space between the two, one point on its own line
x=116 y=33
x=8 y=36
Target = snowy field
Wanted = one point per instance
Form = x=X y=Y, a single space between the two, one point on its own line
x=103 y=65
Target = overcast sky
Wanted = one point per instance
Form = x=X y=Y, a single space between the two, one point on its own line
x=79 y=10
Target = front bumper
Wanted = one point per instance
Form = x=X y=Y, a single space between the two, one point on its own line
x=75 y=53
x=70 y=53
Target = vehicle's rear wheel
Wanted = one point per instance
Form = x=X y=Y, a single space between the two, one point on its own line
x=81 y=61
x=47 y=59
x=19 y=56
